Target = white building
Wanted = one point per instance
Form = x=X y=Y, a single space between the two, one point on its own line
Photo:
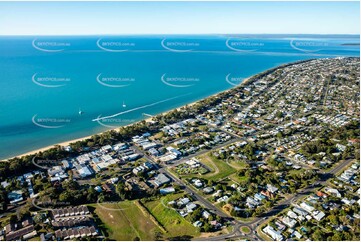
x=275 y=234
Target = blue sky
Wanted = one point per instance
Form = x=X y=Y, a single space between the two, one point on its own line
x=88 y=18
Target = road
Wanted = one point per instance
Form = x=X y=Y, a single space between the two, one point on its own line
x=236 y=233
x=186 y=187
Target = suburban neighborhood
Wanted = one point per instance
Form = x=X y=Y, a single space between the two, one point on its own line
x=274 y=158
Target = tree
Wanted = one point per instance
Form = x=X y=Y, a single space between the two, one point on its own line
x=207 y=227
x=317 y=235
x=337 y=236
x=120 y=190
x=333 y=219
x=13 y=219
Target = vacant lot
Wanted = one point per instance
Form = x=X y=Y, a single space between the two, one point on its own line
x=175 y=224
x=220 y=169
x=125 y=221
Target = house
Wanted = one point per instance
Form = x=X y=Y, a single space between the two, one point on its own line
x=291 y=214
x=120 y=146
x=347 y=201
x=180 y=142
x=198 y=183
x=275 y=234
x=190 y=207
x=267 y=194
x=161 y=179
x=76 y=233
x=259 y=197
x=300 y=211
x=183 y=201
x=28 y=175
x=297 y=234
x=106 y=148
x=167 y=190
x=138 y=170
x=251 y=202
x=174 y=151
x=280 y=226
x=107 y=187
x=4 y=184
x=148 y=165
x=45 y=237
x=131 y=157
x=114 y=180
x=84 y=170
x=183 y=213
x=271 y=189
x=321 y=194
x=15 y=196
x=167 y=158
x=332 y=192
x=197 y=224
x=147 y=134
x=55 y=171
x=30 y=188
x=341 y=147
x=67 y=164
x=21 y=231
x=319 y=216
x=307 y=207
x=223 y=199
x=149 y=145
x=98 y=189
x=205 y=214
x=154 y=152
x=74 y=211
x=290 y=222
x=208 y=190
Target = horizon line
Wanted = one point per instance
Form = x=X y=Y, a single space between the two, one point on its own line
x=152 y=34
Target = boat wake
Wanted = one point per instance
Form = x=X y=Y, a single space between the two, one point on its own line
x=138 y=108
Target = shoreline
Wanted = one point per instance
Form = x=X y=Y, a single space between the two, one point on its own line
x=244 y=82
x=68 y=142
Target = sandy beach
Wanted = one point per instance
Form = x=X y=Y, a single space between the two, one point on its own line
x=66 y=143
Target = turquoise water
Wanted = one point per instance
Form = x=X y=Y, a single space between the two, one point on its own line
x=46 y=81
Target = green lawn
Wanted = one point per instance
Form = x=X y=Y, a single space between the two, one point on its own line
x=220 y=169
x=126 y=224
x=245 y=230
x=237 y=178
x=36 y=238
x=291 y=172
x=239 y=164
x=175 y=224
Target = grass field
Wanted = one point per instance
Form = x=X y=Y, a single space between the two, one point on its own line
x=175 y=224
x=240 y=164
x=237 y=178
x=126 y=224
x=220 y=169
x=245 y=230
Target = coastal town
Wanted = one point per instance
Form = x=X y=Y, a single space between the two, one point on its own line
x=274 y=158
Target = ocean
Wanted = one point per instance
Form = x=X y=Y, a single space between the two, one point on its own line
x=54 y=89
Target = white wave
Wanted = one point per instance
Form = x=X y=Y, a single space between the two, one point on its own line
x=138 y=108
